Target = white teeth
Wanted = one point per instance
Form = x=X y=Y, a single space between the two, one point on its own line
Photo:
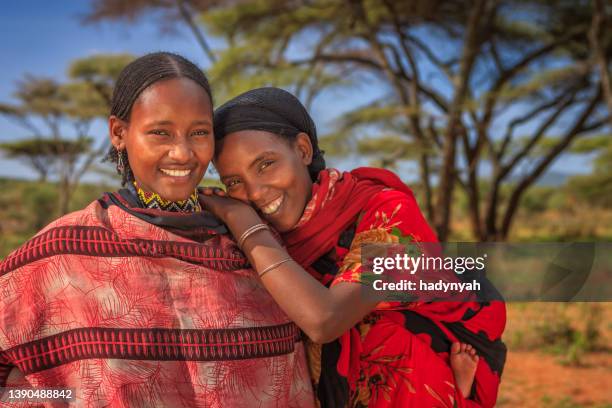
x=272 y=207
x=176 y=173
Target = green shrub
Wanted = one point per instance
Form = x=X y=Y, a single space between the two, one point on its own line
x=40 y=201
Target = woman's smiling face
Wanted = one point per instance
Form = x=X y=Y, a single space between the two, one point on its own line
x=268 y=172
x=169 y=137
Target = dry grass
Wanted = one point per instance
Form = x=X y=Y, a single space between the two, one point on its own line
x=579 y=222
x=548 y=365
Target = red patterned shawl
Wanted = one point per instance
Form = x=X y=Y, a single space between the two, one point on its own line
x=131 y=314
x=337 y=198
x=376 y=200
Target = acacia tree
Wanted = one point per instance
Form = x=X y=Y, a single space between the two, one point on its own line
x=59 y=116
x=475 y=90
x=494 y=76
x=38 y=154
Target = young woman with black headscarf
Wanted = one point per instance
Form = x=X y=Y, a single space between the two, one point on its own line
x=364 y=351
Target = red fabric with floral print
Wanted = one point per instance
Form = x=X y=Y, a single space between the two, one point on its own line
x=388 y=360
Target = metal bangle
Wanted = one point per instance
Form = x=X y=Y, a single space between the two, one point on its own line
x=250 y=231
x=274 y=266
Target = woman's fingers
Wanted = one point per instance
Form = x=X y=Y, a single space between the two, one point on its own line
x=225 y=208
x=209 y=191
x=212 y=203
x=206 y=191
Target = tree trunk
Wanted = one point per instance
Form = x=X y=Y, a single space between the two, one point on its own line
x=490 y=219
x=64 y=196
x=598 y=50
x=447 y=176
x=474 y=204
x=426 y=177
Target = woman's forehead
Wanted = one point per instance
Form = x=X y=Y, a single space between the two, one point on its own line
x=243 y=147
x=174 y=92
x=253 y=141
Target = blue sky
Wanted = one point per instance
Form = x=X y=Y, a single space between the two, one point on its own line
x=42 y=37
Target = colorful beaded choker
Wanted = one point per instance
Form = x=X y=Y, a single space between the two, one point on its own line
x=154 y=201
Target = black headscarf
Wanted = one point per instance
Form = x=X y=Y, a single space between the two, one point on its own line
x=273 y=110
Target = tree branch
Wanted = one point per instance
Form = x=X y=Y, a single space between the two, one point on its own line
x=509 y=73
x=518 y=192
x=187 y=17
x=537 y=135
x=599 y=54
x=526 y=118
x=444 y=66
x=364 y=59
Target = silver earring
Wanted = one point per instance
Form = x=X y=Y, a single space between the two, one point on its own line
x=121 y=159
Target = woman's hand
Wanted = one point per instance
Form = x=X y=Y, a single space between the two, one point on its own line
x=224 y=207
x=324 y=314
x=212 y=191
x=237 y=215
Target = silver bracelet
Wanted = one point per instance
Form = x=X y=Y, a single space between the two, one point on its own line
x=250 y=231
x=274 y=266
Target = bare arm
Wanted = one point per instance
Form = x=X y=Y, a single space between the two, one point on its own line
x=324 y=314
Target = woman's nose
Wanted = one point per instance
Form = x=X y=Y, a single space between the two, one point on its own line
x=181 y=152
x=255 y=193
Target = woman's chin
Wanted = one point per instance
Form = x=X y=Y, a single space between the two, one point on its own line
x=176 y=195
x=182 y=191
x=281 y=225
x=273 y=221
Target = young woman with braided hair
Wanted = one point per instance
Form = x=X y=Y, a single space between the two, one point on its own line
x=142 y=299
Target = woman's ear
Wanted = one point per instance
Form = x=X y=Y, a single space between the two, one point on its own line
x=303 y=148
x=118 y=130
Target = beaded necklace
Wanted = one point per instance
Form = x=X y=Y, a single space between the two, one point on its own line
x=154 y=201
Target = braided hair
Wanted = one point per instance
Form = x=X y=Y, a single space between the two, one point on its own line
x=134 y=79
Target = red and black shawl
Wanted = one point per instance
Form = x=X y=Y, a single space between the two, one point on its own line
x=398 y=355
x=136 y=307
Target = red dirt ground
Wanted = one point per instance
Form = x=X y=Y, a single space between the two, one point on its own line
x=536 y=379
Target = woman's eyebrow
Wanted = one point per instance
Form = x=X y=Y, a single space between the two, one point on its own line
x=260 y=158
x=169 y=122
x=201 y=122
x=159 y=123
